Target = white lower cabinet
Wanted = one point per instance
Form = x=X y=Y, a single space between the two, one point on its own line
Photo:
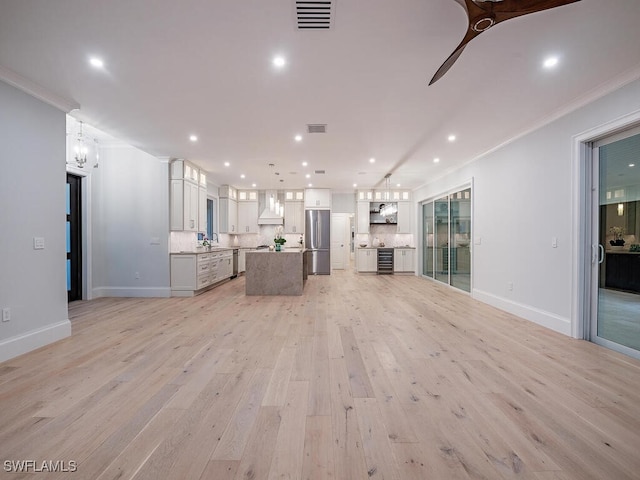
x=192 y=273
x=367 y=260
x=404 y=260
x=242 y=260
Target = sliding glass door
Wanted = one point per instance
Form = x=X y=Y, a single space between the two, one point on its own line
x=446 y=226
x=615 y=292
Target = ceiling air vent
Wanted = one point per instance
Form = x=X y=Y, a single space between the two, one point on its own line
x=317 y=128
x=319 y=172
x=314 y=15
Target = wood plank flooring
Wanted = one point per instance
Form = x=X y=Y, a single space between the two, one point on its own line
x=382 y=377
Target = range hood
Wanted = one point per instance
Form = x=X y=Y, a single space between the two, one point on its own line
x=267 y=216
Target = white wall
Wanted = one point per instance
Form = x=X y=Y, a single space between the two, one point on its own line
x=32 y=204
x=343 y=203
x=129 y=213
x=522 y=197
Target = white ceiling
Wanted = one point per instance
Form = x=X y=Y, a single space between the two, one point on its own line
x=204 y=67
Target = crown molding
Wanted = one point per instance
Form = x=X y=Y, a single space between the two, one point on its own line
x=38 y=91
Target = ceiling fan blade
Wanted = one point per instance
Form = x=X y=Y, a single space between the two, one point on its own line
x=484 y=14
x=444 y=68
x=509 y=9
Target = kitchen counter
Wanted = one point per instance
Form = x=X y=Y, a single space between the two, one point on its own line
x=375 y=248
x=198 y=251
x=275 y=273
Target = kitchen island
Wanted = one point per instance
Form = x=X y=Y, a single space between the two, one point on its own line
x=275 y=273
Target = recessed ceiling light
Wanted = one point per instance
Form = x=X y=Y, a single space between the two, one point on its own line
x=96 y=62
x=298 y=138
x=242 y=175
x=372 y=160
x=451 y=138
x=311 y=184
x=550 y=62
x=632 y=164
x=436 y=160
x=254 y=185
x=355 y=185
x=397 y=184
x=304 y=164
x=279 y=61
x=193 y=138
x=226 y=164
x=308 y=175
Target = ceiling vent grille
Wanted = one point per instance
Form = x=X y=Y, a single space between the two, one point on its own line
x=314 y=15
x=317 y=128
x=319 y=172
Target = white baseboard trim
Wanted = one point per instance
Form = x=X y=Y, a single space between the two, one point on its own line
x=163 y=292
x=535 y=315
x=26 y=342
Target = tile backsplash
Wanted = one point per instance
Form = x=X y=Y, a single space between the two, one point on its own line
x=384 y=234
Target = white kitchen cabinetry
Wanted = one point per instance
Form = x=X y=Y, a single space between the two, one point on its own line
x=404 y=217
x=367 y=260
x=404 y=260
x=228 y=209
x=202 y=202
x=191 y=274
x=363 y=217
x=317 y=198
x=242 y=260
x=293 y=216
x=248 y=216
x=186 y=198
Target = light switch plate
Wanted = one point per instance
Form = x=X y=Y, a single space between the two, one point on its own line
x=38 y=243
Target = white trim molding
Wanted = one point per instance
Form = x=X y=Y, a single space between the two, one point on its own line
x=137 y=292
x=37 y=91
x=535 y=315
x=28 y=341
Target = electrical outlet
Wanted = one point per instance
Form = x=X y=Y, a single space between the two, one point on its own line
x=137 y=275
x=38 y=243
x=510 y=286
x=6 y=314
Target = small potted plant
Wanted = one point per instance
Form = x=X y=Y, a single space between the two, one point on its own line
x=618 y=237
x=279 y=240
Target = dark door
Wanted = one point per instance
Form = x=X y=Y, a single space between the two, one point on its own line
x=74 y=239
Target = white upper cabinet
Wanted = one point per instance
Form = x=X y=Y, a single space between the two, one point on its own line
x=317 y=198
x=363 y=217
x=188 y=197
x=404 y=217
x=228 y=209
x=293 y=217
x=247 y=215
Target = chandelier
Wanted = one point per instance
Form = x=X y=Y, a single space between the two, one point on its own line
x=81 y=150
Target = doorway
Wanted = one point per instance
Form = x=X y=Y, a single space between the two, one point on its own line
x=74 y=237
x=614 y=319
x=340 y=240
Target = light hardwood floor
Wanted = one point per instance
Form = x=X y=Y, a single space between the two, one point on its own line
x=382 y=377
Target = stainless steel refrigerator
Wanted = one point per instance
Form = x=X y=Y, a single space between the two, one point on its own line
x=317 y=237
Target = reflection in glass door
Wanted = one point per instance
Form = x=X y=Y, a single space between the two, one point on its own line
x=615 y=321
x=460 y=240
x=428 y=242
x=441 y=234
